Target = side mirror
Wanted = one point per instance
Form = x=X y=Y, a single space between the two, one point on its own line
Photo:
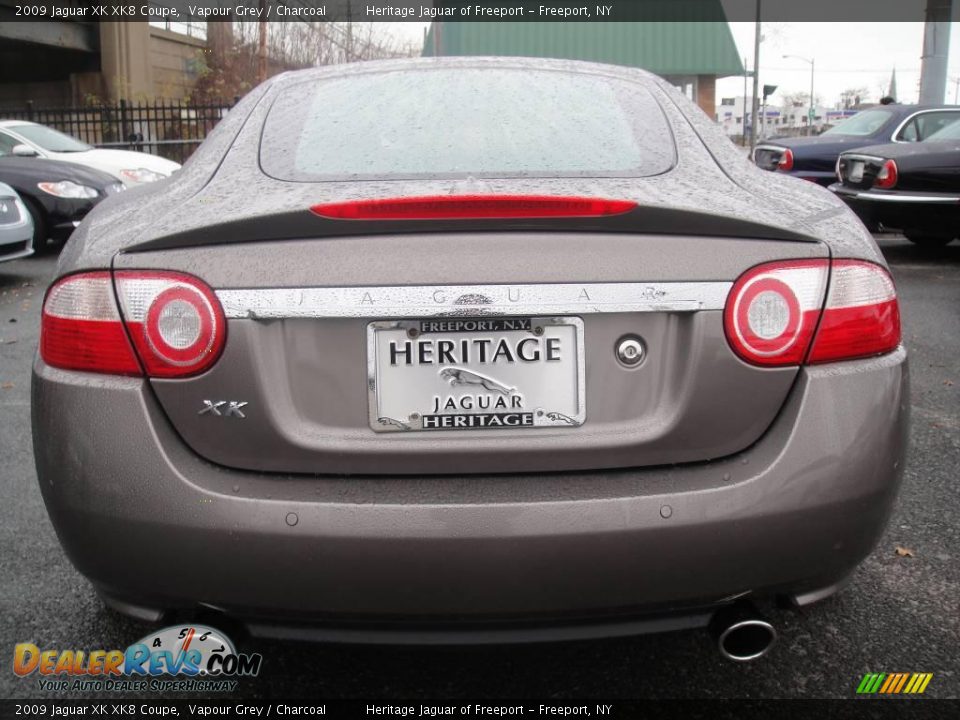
x=24 y=151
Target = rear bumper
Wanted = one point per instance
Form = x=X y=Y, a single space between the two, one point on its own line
x=155 y=527
x=927 y=212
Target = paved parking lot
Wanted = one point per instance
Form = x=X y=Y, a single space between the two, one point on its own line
x=900 y=613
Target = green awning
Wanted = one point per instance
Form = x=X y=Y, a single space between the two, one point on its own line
x=665 y=48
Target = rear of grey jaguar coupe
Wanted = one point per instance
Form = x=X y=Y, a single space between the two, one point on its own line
x=470 y=350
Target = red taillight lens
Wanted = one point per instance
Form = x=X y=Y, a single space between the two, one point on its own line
x=786 y=160
x=861 y=317
x=175 y=322
x=772 y=311
x=473 y=207
x=80 y=328
x=887 y=177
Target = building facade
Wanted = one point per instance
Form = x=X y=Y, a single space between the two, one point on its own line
x=69 y=63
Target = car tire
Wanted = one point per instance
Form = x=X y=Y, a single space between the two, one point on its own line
x=41 y=236
x=929 y=241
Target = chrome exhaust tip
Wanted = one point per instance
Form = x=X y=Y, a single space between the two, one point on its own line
x=742 y=634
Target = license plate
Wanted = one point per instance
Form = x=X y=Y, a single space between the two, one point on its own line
x=475 y=373
x=855 y=171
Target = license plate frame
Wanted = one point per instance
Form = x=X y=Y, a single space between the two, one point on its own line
x=566 y=412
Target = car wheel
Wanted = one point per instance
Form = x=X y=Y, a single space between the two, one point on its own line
x=929 y=241
x=41 y=236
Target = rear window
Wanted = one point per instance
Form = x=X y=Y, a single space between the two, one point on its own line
x=465 y=122
x=862 y=124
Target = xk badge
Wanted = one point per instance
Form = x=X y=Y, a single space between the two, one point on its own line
x=224 y=408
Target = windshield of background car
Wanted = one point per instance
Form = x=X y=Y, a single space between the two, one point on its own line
x=949 y=132
x=862 y=124
x=50 y=139
x=465 y=122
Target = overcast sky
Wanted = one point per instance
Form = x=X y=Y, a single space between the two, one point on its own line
x=847 y=55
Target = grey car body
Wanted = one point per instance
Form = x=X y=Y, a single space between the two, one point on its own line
x=261 y=487
x=16 y=227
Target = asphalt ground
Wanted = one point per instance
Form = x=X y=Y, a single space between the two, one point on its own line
x=900 y=613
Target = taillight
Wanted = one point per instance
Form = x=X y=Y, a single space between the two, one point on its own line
x=776 y=314
x=861 y=317
x=772 y=310
x=174 y=320
x=473 y=207
x=887 y=177
x=786 y=160
x=80 y=328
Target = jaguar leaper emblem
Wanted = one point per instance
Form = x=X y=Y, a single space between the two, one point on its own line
x=460 y=376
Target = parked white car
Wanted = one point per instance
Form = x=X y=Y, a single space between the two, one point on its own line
x=16 y=227
x=19 y=137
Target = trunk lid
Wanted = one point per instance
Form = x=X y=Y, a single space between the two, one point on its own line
x=301 y=315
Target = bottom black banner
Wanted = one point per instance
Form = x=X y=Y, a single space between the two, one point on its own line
x=639 y=709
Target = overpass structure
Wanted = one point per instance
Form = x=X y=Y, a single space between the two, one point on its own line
x=57 y=63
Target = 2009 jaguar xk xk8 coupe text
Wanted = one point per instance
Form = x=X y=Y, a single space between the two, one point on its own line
x=470 y=349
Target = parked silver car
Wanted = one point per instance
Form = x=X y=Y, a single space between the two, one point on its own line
x=16 y=227
x=470 y=350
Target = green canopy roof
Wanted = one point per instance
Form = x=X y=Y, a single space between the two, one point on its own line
x=666 y=48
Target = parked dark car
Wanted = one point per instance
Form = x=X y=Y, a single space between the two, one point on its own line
x=914 y=188
x=58 y=195
x=521 y=373
x=815 y=158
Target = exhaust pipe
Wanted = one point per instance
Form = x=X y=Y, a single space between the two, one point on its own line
x=741 y=632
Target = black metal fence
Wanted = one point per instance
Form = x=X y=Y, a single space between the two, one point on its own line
x=171 y=129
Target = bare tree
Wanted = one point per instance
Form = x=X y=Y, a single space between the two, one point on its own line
x=851 y=97
x=229 y=66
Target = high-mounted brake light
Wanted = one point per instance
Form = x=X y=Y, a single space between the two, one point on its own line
x=786 y=160
x=887 y=177
x=473 y=207
x=174 y=320
x=776 y=314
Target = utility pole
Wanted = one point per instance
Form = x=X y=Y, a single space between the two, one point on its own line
x=936 y=47
x=756 y=80
x=349 y=50
x=743 y=112
x=262 y=44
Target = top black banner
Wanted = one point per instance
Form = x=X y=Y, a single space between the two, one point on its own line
x=485 y=11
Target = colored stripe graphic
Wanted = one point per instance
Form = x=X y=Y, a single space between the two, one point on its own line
x=894 y=683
